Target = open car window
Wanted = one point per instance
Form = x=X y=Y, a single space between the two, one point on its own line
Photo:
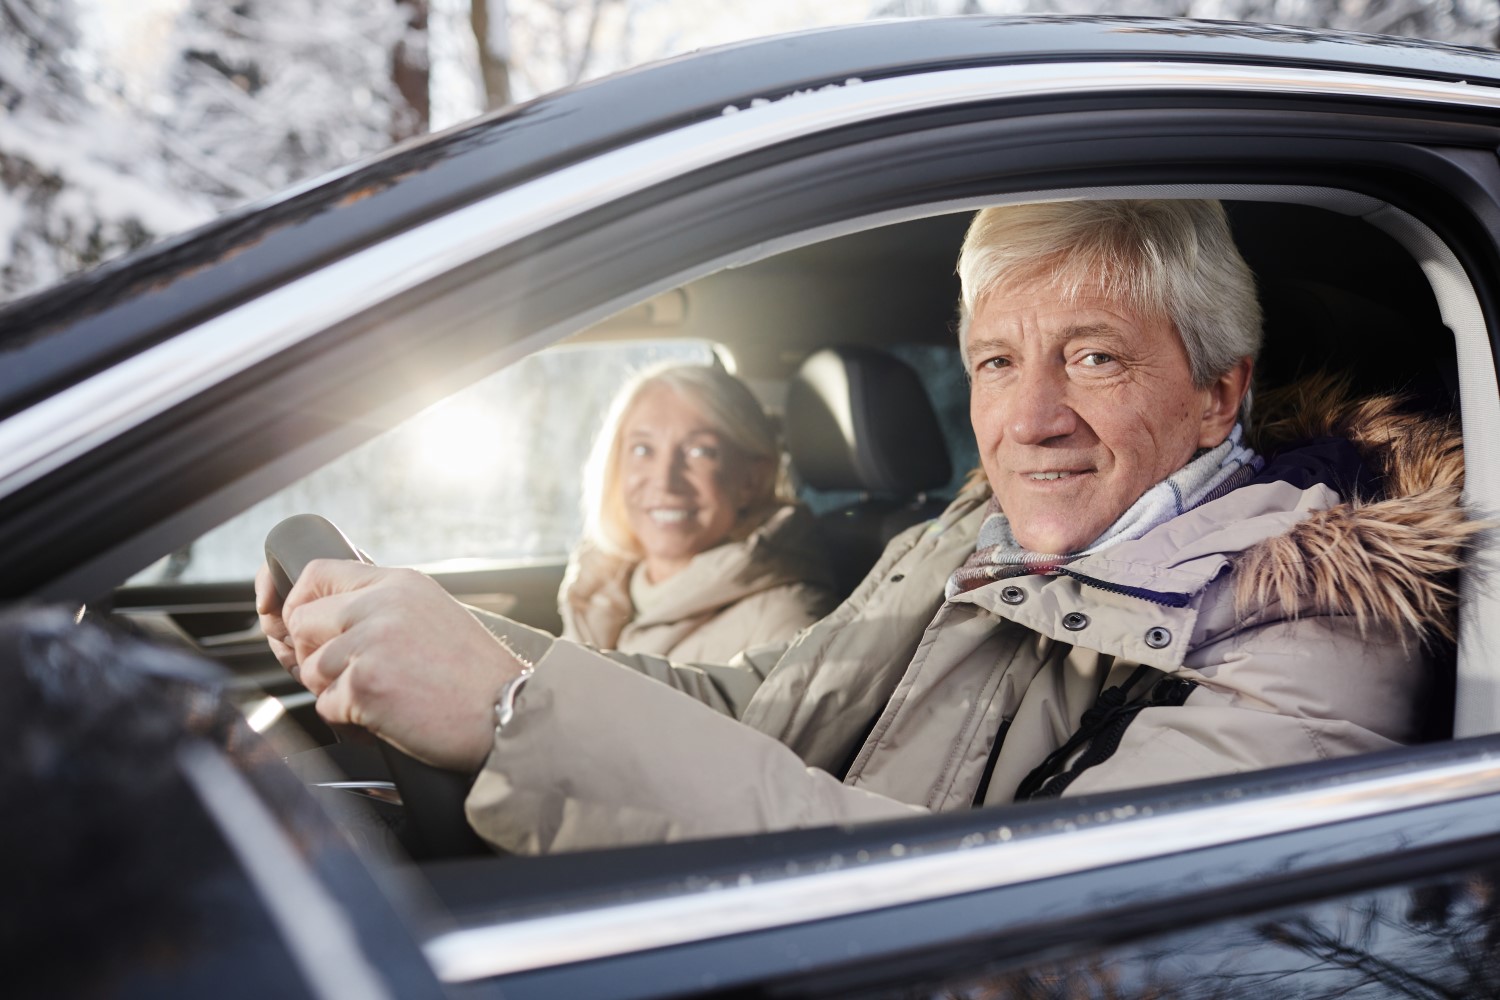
x=1319 y=298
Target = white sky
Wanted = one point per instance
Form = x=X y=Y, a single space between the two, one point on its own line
x=129 y=35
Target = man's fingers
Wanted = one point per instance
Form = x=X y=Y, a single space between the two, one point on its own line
x=268 y=605
x=321 y=669
x=311 y=623
x=285 y=655
x=324 y=577
x=267 y=601
x=334 y=703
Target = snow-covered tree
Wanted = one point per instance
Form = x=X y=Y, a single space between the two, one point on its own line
x=250 y=98
x=1465 y=22
x=265 y=93
x=74 y=187
x=557 y=43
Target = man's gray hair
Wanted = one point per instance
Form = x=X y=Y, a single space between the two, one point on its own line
x=1172 y=259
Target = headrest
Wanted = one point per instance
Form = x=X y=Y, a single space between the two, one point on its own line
x=859 y=419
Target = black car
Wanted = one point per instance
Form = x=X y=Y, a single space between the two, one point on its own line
x=757 y=203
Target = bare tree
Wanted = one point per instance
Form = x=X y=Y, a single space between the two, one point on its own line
x=409 y=73
x=490 y=21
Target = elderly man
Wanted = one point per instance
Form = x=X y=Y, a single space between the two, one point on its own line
x=1130 y=595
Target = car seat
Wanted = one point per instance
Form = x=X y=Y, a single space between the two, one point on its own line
x=859 y=420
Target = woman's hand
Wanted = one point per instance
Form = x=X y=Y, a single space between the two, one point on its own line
x=389 y=650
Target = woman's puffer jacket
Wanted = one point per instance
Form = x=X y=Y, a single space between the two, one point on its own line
x=1300 y=617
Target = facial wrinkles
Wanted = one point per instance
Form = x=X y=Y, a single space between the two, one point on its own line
x=1125 y=418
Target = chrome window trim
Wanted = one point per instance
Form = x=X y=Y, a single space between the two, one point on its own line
x=52 y=433
x=380 y=791
x=994 y=861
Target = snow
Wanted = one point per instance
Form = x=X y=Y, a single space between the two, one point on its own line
x=125 y=120
x=127 y=37
x=110 y=193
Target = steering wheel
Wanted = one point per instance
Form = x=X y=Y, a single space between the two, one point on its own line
x=431 y=797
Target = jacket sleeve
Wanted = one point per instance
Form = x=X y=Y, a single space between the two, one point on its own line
x=1285 y=692
x=598 y=756
x=726 y=688
x=784 y=611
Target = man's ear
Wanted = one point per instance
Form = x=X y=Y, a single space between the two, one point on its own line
x=1222 y=404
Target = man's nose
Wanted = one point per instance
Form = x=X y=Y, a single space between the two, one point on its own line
x=1039 y=409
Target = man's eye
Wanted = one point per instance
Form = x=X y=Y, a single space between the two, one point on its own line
x=639 y=451
x=993 y=363
x=1095 y=359
x=705 y=451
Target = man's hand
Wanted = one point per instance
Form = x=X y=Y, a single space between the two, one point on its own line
x=389 y=650
x=268 y=607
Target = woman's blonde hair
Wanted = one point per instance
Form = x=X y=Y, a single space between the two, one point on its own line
x=735 y=413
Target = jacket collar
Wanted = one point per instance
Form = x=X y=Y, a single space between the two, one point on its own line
x=1358 y=477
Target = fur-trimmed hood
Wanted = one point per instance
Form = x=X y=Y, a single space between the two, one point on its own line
x=1391 y=552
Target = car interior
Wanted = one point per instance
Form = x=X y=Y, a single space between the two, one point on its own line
x=850 y=343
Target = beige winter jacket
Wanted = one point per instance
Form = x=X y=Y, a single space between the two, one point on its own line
x=763 y=589
x=1283 y=622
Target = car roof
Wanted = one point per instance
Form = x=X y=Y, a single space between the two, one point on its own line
x=65 y=334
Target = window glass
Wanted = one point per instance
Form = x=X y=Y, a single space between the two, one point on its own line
x=1432 y=939
x=493 y=472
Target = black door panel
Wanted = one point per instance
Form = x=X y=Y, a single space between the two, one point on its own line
x=218 y=621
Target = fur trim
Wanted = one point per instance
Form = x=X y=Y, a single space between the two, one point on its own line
x=1390 y=560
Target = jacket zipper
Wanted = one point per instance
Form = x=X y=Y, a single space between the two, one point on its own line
x=1153 y=596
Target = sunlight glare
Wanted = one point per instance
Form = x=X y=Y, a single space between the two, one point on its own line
x=457 y=443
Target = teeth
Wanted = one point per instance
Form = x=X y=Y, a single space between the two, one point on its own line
x=668 y=516
x=1050 y=475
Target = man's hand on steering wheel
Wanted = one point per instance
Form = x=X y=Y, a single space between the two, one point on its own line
x=390 y=650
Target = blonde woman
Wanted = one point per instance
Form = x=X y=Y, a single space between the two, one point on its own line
x=693 y=547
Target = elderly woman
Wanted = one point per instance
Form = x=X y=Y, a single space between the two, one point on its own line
x=1131 y=595
x=694 y=548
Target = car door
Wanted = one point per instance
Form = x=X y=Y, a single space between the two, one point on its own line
x=898 y=125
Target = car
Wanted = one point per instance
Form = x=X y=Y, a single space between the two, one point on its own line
x=767 y=203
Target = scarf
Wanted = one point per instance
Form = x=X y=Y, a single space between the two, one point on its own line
x=1208 y=475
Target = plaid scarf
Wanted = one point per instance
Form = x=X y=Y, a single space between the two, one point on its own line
x=1209 y=475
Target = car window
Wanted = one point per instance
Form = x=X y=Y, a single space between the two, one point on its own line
x=493 y=472
x=1421 y=938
